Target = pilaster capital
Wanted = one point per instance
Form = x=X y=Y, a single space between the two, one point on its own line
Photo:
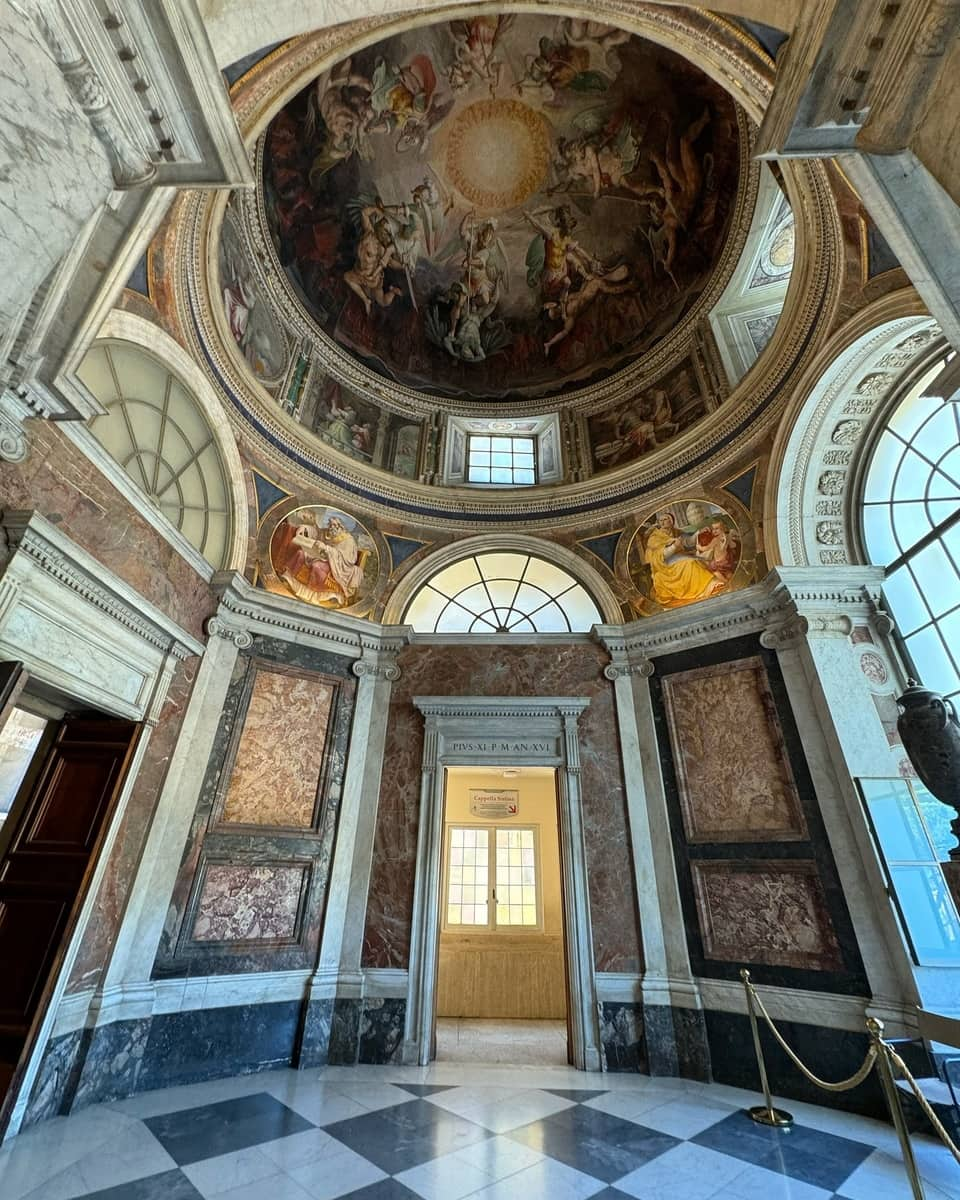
x=628 y=656
x=217 y=627
x=377 y=662
x=781 y=635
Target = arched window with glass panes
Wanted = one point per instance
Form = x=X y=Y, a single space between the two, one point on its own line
x=911 y=526
x=502 y=592
x=155 y=428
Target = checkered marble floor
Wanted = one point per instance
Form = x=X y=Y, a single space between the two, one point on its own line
x=450 y=1132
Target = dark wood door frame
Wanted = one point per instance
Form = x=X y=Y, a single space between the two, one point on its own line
x=124 y=739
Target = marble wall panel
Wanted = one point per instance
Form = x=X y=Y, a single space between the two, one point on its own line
x=573 y=670
x=249 y=903
x=733 y=772
x=277 y=765
x=248 y=845
x=771 y=912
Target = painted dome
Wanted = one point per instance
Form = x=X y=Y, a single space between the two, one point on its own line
x=503 y=208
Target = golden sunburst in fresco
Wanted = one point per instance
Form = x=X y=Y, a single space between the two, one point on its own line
x=498 y=153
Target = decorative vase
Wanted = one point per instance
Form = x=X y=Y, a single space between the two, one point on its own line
x=930 y=732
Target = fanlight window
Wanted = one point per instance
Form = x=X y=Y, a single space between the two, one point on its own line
x=911 y=525
x=156 y=431
x=502 y=593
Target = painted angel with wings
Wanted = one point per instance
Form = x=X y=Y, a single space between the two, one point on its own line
x=604 y=154
x=475 y=51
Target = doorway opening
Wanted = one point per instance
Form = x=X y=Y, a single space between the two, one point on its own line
x=61 y=773
x=502 y=993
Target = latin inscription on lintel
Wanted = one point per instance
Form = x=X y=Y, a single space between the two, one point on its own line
x=501 y=747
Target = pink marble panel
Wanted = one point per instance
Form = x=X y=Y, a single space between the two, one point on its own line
x=249 y=903
x=765 y=911
x=733 y=773
x=280 y=754
x=505 y=671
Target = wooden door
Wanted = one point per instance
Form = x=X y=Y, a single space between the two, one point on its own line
x=47 y=865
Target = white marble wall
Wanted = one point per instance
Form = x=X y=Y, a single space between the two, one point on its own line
x=54 y=173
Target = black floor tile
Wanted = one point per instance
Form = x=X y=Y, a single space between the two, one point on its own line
x=197 y=1133
x=385 y=1189
x=406 y=1135
x=594 y=1142
x=578 y=1095
x=807 y=1155
x=424 y=1089
x=169 y=1185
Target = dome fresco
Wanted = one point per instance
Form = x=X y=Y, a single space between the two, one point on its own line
x=505 y=207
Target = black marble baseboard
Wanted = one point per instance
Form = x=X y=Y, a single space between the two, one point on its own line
x=622 y=1036
x=832 y=1054
x=676 y=1042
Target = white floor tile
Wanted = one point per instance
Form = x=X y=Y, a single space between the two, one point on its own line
x=630 y=1106
x=685 y=1118
x=687 y=1171
x=548 y=1179
x=227 y=1172
x=273 y=1187
x=320 y=1103
x=500 y=1109
x=499 y=1157
x=299 y=1149
x=446 y=1178
x=882 y=1177
x=332 y=1176
x=755 y=1182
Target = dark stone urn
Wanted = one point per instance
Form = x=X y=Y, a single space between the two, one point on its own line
x=930 y=733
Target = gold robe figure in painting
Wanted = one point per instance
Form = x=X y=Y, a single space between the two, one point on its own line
x=679 y=577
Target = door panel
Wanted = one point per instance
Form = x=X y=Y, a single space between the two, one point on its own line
x=48 y=863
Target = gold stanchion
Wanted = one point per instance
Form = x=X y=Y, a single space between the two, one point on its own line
x=884 y=1069
x=763 y=1114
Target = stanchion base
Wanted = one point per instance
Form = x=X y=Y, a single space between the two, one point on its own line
x=770 y=1116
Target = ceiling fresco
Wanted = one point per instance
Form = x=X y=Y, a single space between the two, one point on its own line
x=502 y=207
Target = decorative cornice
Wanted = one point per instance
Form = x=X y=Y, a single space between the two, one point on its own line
x=505 y=707
x=253 y=610
x=32 y=536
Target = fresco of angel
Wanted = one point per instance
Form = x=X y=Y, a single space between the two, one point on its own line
x=569 y=278
x=405 y=99
x=681 y=176
x=475 y=52
x=603 y=156
x=559 y=66
x=375 y=253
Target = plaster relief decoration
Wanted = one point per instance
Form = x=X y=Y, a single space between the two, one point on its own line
x=873 y=666
x=269 y=785
x=649 y=419
x=687 y=551
x=502 y=206
x=250 y=903
x=772 y=912
x=326 y=557
x=724 y=714
x=250 y=319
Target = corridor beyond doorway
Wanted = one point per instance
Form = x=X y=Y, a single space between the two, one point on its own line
x=505 y=1042
x=501 y=984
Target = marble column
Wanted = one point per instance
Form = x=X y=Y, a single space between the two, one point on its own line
x=673 y=1025
x=334 y=1002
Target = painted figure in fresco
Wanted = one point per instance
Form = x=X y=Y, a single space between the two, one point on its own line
x=559 y=66
x=376 y=252
x=239 y=300
x=681 y=177
x=714 y=540
x=470 y=334
x=475 y=52
x=608 y=37
x=679 y=576
x=569 y=278
x=404 y=99
x=340 y=114
x=329 y=558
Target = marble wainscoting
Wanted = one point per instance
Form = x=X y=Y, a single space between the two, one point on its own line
x=622 y=1038
x=675 y=1042
x=117 y=1060
x=571 y=670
